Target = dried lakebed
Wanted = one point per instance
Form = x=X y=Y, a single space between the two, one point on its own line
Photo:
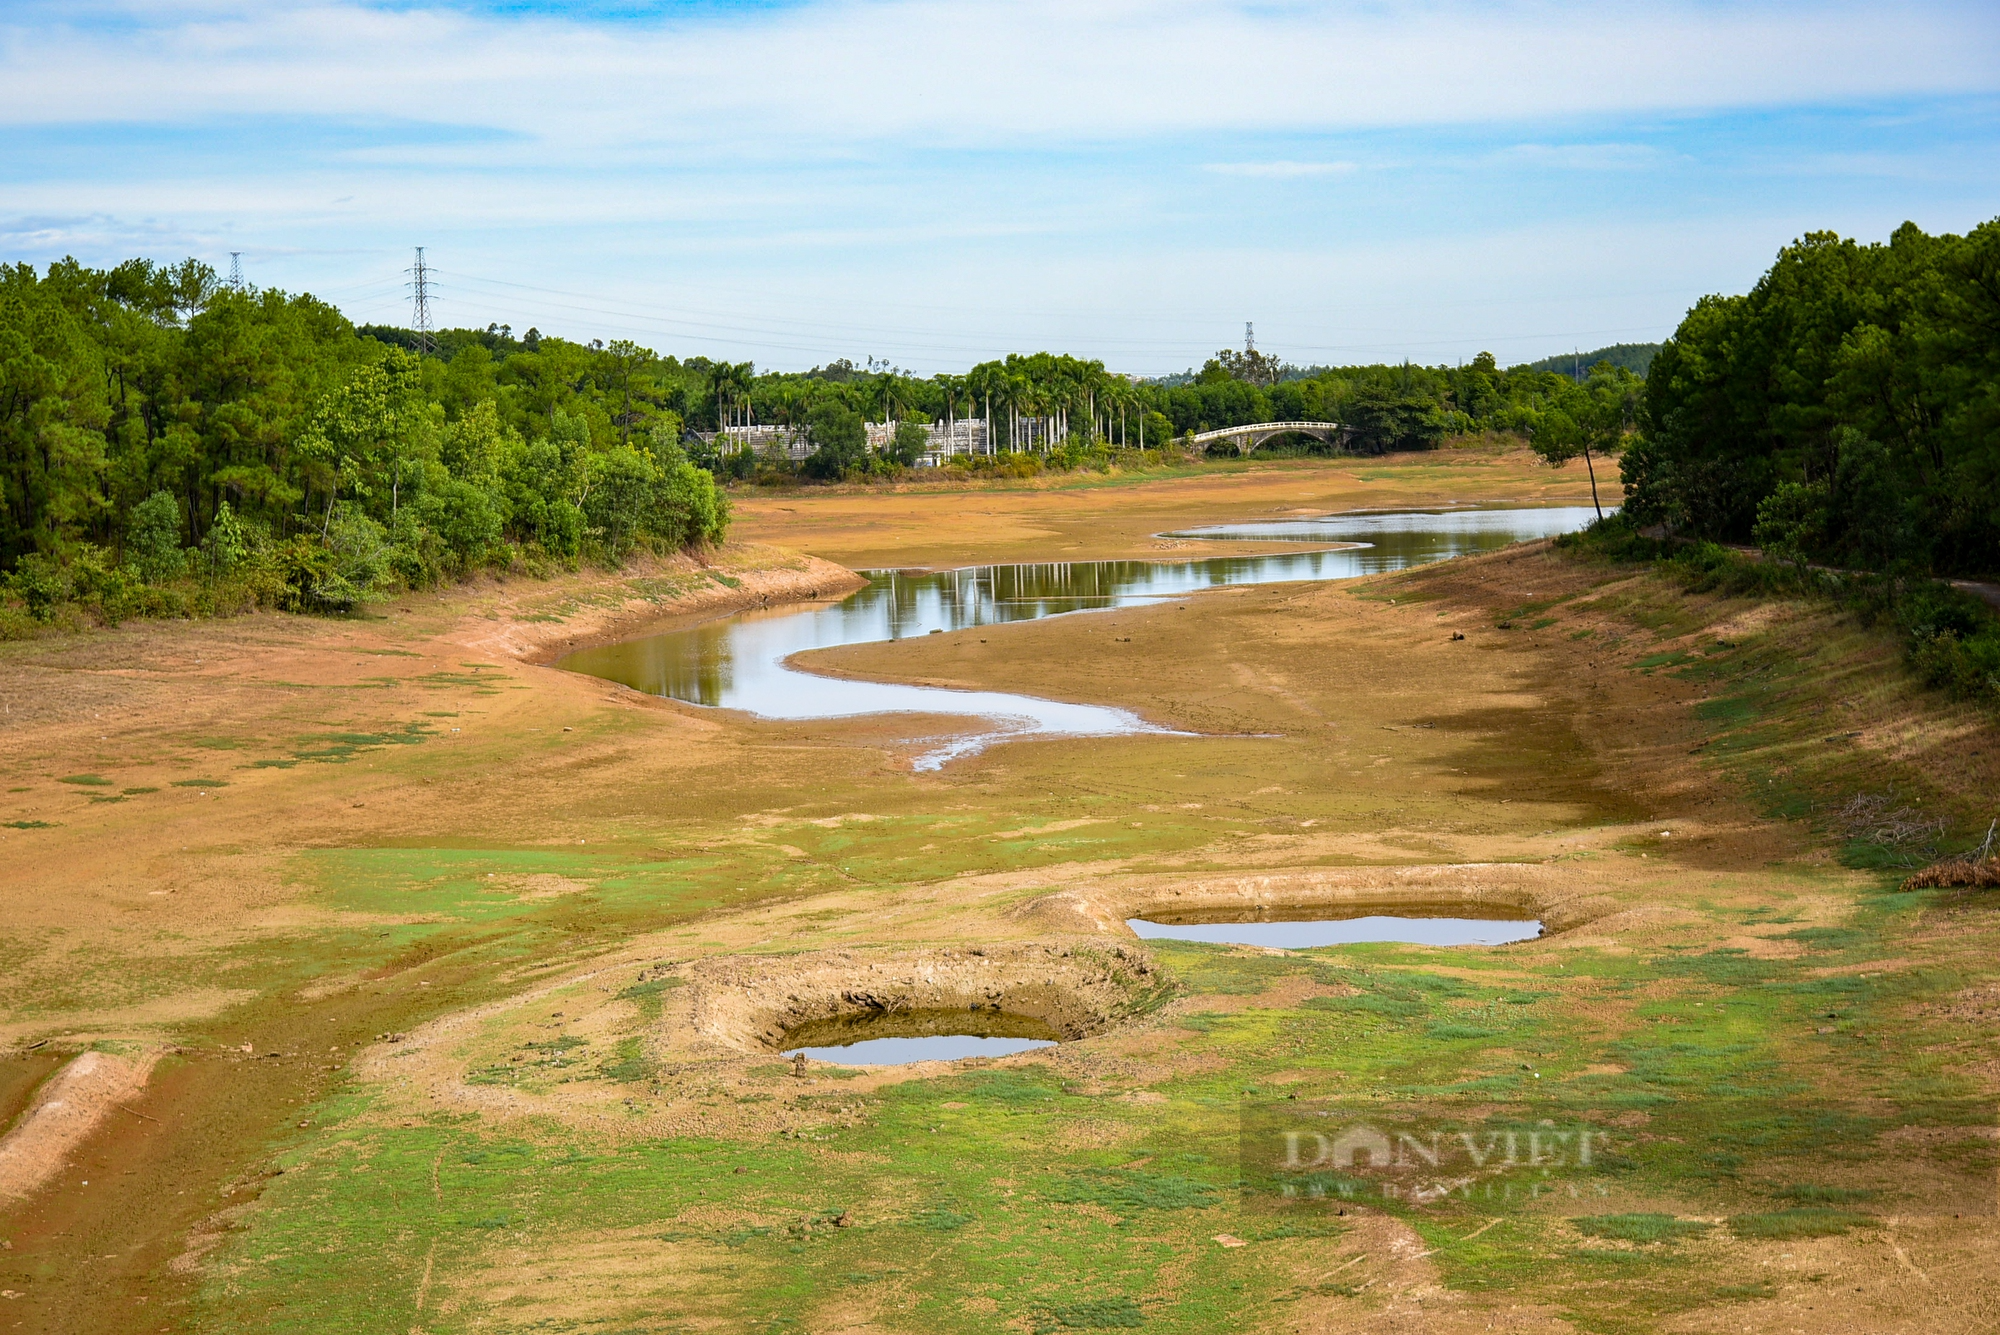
x=743 y=661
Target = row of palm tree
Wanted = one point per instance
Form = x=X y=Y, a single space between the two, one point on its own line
x=1037 y=402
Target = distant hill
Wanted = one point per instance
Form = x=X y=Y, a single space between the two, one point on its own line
x=1634 y=357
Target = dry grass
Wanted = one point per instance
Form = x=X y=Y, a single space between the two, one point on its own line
x=1955 y=873
x=1978 y=870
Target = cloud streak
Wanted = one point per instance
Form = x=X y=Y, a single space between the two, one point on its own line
x=1281 y=171
x=973 y=72
x=939 y=179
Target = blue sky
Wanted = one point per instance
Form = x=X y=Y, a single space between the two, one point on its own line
x=936 y=183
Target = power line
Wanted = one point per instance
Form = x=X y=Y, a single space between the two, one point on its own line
x=420 y=304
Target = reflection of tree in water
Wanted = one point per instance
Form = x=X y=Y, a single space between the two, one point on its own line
x=734 y=661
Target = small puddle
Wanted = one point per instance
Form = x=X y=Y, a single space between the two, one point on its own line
x=902 y=1037
x=1306 y=933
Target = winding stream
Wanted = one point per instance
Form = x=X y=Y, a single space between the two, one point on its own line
x=740 y=661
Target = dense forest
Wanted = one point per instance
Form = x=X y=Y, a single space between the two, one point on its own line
x=1844 y=417
x=1634 y=357
x=169 y=442
x=1845 y=411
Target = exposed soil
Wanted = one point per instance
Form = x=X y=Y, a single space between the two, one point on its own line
x=309 y=836
x=66 y=1109
x=1085 y=517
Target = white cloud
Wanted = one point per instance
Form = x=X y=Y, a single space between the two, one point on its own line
x=788 y=183
x=975 y=71
x=1280 y=170
x=1579 y=157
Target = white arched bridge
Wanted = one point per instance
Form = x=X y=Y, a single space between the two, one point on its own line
x=1248 y=438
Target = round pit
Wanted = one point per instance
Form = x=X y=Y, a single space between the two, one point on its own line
x=1039 y=992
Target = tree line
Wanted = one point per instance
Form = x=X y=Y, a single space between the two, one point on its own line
x=1844 y=411
x=164 y=435
x=169 y=442
x=1844 y=417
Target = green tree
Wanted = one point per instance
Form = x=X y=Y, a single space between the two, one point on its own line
x=839 y=439
x=153 y=538
x=908 y=444
x=1585 y=420
x=621 y=497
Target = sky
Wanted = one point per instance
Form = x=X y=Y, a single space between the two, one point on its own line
x=937 y=182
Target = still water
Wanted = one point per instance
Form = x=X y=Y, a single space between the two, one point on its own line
x=1304 y=935
x=740 y=662
x=903 y=1051
x=897 y=1038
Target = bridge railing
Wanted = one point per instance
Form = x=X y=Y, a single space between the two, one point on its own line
x=1266 y=428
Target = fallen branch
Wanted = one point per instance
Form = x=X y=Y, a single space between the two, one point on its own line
x=1978 y=870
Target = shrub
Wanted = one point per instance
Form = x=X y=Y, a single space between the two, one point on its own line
x=1951 y=639
x=41 y=582
x=153 y=538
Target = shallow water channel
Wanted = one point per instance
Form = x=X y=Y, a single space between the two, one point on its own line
x=740 y=661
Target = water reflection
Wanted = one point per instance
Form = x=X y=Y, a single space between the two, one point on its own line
x=897 y=1038
x=904 y=1051
x=1397 y=540
x=739 y=662
x=1307 y=934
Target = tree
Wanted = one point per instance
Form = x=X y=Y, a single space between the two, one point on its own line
x=1867 y=374
x=1575 y=426
x=839 y=440
x=153 y=538
x=360 y=435
x=620 y=499
x=908 y=444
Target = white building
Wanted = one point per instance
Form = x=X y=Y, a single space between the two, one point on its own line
x=941 y=440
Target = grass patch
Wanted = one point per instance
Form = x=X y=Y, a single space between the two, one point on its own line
x=1120 y=1313
x=940 y=1219
x=1640 y=1227
x=1803 y=1222
x=1127 y=1192
x=29 y=825
x=86 y=780
x=201 y=783
x=1814 y=1194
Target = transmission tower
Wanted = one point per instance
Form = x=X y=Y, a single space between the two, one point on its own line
x=420 y=304
x=1249 y=338
x=236 y=269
